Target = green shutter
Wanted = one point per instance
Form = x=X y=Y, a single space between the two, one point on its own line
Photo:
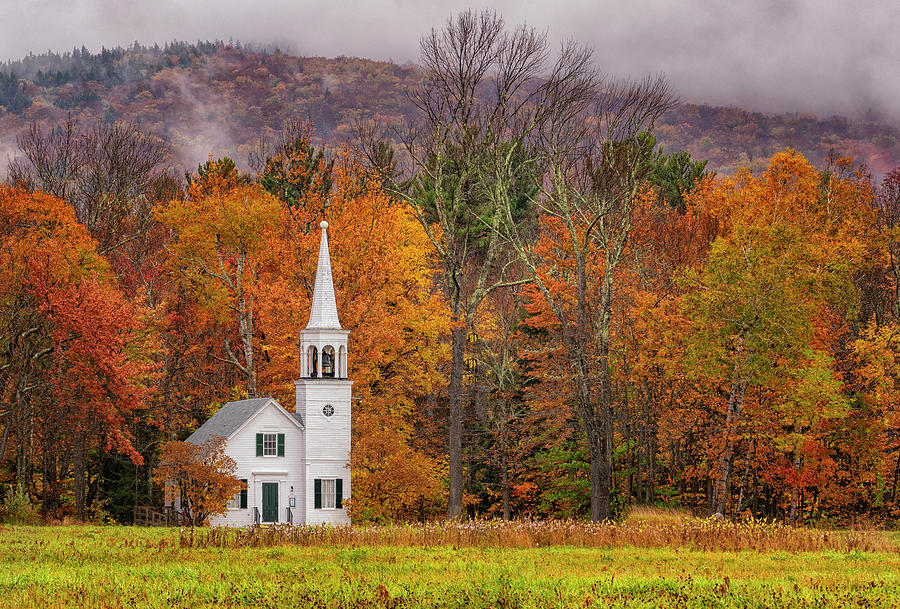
x=339 y=493
x=318 y=494
x=244 y=494
x=281 y=445
x=259 y=448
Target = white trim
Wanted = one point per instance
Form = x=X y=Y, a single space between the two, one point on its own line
x=278 y=406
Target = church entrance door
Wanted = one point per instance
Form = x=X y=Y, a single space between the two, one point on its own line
x=269 y=501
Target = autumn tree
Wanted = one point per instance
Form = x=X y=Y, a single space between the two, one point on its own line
x=778 y=278
x=77 y=357
x=295 y=171
x=32 y=221
x=649 y=340
x=201 y=474
x=597 y=156
x=224 y=239
x=887 y=213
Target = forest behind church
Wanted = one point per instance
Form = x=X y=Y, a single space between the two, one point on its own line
x=567 y=295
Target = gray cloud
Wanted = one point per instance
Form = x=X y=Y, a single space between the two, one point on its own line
x=821 y=56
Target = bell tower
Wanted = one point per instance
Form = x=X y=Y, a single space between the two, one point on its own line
x=323 y=401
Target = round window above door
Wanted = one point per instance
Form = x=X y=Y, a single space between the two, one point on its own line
x=328 y=410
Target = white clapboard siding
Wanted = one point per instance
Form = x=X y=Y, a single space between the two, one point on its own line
x=287 y=471
x=327 y=441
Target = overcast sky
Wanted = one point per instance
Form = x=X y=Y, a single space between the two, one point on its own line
x=822 y=56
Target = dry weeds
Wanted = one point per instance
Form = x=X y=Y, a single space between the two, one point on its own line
x=640 y=530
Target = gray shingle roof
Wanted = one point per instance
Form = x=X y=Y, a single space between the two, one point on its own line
x=227 y=420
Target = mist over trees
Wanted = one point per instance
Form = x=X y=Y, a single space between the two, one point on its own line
x=554 y=312
x=219 y=98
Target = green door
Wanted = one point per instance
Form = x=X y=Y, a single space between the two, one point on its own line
x=270 y=502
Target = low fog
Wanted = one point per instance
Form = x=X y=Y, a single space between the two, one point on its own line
x=768 y=55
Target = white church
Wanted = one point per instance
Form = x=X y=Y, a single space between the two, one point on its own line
x=295 y=464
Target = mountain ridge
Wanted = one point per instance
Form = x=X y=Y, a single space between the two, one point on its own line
x=218 y=98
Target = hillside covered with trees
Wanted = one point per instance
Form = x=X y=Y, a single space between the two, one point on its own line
x=567 y=295
x=217 y=98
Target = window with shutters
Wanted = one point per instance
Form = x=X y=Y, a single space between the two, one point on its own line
x=239 y=501
x=270 y=444
x=328 y=494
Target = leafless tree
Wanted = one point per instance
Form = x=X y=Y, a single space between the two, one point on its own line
x=506 y=126
x=596 y=153
x=480 y=79
x=104 y=172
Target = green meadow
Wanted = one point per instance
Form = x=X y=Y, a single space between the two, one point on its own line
x=86 y=566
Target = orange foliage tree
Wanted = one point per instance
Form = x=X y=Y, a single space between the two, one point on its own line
x=201 y=474
x=78 y=357
x=768 y=308
x=224 y=240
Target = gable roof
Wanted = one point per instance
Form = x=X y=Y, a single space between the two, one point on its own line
x=229 y=419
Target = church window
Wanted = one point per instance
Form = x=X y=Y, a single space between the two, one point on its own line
x=328 y=410
x=270 y=444
x=328 y=494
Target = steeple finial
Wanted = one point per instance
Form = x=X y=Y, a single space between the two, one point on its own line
x=323 y=312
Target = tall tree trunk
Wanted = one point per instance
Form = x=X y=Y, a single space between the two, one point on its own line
x=48 y=471
x=896 y=477
x=455 y=416
x=504 y=464
x=639 y=457
x=6 y=437
x=595 y=421
x=246 y=329
x=604 y=484
x=651 y=469
x=78 y=471
x=599 y=473
x=245 y=322
x=726 y=459
x=25 y=435
x=795 y=492
x=755 y=504
x=744 y=478
x=593 y=427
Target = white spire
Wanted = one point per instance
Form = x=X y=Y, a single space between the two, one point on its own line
x=323 y=313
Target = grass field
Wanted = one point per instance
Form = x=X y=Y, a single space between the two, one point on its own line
x=133 y=567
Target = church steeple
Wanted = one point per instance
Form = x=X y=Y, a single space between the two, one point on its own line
x=323 y=313
x=324 y=403
x=323 y=343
